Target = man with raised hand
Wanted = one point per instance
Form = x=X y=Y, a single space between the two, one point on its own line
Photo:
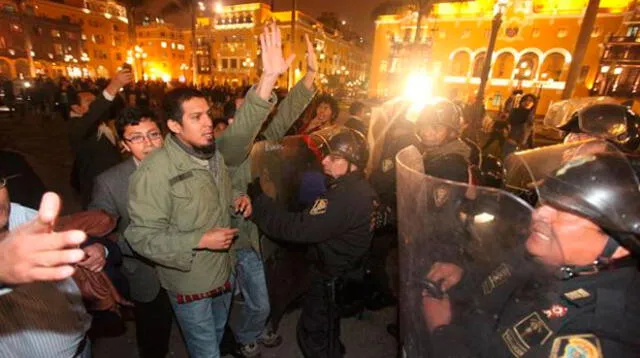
x=180 y=202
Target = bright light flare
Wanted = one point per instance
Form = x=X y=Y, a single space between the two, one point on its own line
x=419 y=92
x=166 y=78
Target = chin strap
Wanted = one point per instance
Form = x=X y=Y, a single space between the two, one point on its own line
x=603 y=262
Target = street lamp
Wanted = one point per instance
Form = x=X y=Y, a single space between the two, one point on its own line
x=218 y=8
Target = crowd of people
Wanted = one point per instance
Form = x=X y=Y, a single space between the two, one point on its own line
x=176 y=219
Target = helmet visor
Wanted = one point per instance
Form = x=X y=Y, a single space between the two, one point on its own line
x=606 y=120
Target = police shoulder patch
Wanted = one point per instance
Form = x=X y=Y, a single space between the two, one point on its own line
x=578 y=346
x=440 y=195
x=319 y=207
x=387 y=165
x=499 y=276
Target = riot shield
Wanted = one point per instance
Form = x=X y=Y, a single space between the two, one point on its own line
x=445 y=224
x=284 y=167
x=383 y=118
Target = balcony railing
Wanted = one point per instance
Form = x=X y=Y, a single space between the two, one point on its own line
x=624 y=39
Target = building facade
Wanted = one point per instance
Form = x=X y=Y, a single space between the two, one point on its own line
x=228 y=45
x=69 y=37
x=163 y=52
x=533 y=48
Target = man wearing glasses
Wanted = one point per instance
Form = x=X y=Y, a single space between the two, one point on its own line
x=139 y=135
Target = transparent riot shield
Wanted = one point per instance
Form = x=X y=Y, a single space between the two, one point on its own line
x=383 y=118
x=284 y=168
x=464 y=232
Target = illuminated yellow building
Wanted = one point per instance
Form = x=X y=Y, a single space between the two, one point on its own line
x=228 y=46
x=97 y=48
x=533 y=49
x=163 y=52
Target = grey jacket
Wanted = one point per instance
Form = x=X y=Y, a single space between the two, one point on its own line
x=111 y=193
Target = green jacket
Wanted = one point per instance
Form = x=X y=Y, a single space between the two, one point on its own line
x=288 y=112
x=174 y=200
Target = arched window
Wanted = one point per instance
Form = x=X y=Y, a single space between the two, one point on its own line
x=460 y=64
x=478 y=62
x=552 y=67
x=504 y=65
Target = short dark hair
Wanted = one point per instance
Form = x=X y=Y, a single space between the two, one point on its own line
x=132 y=116
x=174 y=100
x=74 y=96
x=356 y=107
x=326 y=98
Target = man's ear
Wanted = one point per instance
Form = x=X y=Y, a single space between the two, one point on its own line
x=174 y=126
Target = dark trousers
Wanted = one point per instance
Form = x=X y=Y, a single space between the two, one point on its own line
x=384 y=241
x=153 y=326
x=319 y=325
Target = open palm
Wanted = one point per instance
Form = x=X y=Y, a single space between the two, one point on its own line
x=273 y=61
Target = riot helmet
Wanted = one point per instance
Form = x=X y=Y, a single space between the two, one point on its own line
x=613 y=122
x=602 y=188
x=439 y=112
x=343 y=142
x=591 y=179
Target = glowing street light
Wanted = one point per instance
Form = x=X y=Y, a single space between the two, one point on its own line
x=218 y=7
x=617 y=71
x=605 y=69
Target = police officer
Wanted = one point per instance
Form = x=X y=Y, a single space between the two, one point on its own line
x=616 y=123
x=338 y=226
x=445 y=154
x=613 y=122
x=586 y=232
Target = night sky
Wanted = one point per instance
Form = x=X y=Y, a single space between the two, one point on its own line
x=355 y=12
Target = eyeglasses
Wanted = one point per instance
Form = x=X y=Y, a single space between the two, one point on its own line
x=139 y=138
x=3 y=181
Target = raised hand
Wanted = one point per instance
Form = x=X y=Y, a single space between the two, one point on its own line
x=273 y=61
x=312 y=60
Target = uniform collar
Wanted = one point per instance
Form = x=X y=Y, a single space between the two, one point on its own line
x=347 y=178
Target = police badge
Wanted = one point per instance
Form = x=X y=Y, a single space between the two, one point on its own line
x=440 y=195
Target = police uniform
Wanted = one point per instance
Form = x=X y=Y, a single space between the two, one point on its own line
x=586 y=316
x=339 y=227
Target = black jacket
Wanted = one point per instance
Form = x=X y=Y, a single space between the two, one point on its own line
x=338 y=224
x=92 y=155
